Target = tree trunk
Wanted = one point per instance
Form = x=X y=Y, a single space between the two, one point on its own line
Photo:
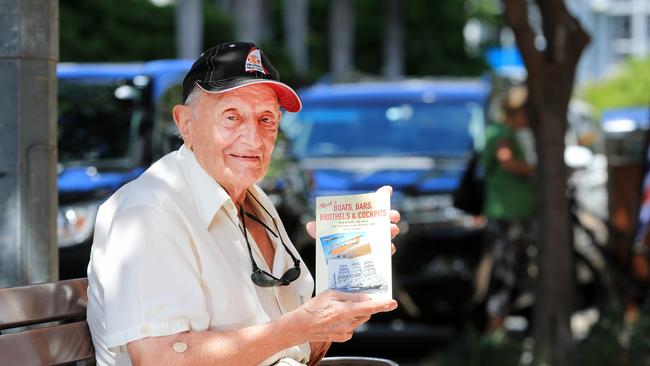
x=556 y=284
x=341 y=38
x=551 y=73
x=394 y=40
x=295 y=16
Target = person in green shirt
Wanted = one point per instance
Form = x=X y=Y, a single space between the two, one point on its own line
x=509 y=202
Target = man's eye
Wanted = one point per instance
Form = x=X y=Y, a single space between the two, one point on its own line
x=231 y=118
x=267 y=120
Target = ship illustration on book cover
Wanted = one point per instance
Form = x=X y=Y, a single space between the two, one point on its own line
x=350 y=263
x=353 y=234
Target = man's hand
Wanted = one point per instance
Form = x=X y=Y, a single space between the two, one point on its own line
x=508 y=162
x=393 y=214
x=332 y=316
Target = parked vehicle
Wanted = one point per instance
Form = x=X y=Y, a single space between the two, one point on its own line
x=417 y=136
x=114 y=120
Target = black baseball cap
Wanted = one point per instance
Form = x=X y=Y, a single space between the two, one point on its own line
x=229 y=66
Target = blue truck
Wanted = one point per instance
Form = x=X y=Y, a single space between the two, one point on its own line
x=416 y=136
x=114 y=120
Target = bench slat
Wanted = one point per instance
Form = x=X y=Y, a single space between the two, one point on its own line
x=26 y=305
x=48 y=346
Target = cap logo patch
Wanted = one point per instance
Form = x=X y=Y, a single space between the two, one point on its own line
x=254 y=61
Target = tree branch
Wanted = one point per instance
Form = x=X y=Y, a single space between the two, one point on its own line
x=580 y=36
x=516 y=16
x=565 y=36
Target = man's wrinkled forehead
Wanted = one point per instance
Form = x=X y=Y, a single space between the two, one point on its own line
x=258 y=95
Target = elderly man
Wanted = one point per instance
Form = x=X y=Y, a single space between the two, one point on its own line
x=190 y=262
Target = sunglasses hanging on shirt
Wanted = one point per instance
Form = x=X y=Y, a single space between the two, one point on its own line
x=260 y=277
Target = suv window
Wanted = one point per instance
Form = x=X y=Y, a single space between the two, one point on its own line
x=166 y=138
x=343 y=129
x=96 y=120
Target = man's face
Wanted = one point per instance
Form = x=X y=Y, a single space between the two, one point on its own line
x=517 y=118
x=232 y=134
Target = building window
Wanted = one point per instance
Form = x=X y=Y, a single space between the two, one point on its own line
x=621 y=27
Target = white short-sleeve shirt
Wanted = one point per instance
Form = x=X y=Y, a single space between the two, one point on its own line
x=169 y=256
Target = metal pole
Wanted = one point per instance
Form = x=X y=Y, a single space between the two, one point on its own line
x=189 y=28
x=29 y=49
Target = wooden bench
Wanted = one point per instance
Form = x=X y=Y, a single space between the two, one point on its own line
x=45 y=324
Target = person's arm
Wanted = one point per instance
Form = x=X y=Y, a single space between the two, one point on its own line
x=509 y=163
x=246 y=346
x=329 y=317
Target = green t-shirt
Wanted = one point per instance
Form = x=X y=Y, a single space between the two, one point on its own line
x=507 y=195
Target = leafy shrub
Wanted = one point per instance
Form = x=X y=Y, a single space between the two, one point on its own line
x=630 y=87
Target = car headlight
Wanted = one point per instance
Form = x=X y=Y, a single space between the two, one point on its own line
x=75 y=223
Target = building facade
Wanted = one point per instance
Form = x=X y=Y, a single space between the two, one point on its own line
x=619 y=29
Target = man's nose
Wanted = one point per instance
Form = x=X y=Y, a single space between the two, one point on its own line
x=251 y=133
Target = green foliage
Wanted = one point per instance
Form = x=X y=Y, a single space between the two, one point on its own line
x=127 y=30
x=218 y=26
x=433 y=33
x=116 y=30
x=487 y=11
x=435 y=43
x=124 y=30
x=630 y=87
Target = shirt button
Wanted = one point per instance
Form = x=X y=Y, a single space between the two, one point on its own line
x=144 y=329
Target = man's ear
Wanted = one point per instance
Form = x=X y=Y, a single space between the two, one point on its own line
x=183 y=116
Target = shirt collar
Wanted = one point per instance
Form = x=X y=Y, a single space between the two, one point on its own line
x=208 y=195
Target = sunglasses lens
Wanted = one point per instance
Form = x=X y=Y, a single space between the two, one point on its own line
x=262 y=279
x=291 y=275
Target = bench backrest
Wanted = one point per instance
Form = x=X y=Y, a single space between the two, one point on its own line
x=55 y=316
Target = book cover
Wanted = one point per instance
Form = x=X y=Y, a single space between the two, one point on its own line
x=353 y=244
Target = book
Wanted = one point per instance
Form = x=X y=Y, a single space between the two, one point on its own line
x=353 y=244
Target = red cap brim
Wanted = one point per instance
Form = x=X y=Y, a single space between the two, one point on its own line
x=287 y=97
